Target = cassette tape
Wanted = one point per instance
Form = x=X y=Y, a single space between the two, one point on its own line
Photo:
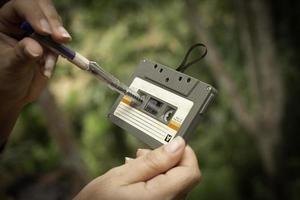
x=173 y=104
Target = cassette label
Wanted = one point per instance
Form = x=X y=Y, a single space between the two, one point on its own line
x=164 y=121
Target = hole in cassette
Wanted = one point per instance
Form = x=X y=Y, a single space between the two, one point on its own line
x=157 y=108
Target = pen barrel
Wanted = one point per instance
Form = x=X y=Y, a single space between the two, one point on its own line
x=59 y=49
x=80 y=61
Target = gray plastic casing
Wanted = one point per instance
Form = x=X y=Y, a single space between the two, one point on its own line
x=200 y=93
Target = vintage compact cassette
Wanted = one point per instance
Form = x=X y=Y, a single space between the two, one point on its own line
x=173 y=104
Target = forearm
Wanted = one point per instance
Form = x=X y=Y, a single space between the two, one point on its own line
x=8 y=118
x=10 y=102
x=24 y=65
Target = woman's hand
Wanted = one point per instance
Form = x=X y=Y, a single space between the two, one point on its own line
x=168 y=172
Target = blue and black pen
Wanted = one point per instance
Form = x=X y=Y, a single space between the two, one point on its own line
x=81 y=62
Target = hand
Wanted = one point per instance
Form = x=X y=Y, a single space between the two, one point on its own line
x=168 y=172
x=24 y=64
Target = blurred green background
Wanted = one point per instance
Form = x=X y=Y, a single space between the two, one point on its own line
x=248 y=142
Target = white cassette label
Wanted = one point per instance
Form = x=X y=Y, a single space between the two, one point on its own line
x=146 y=123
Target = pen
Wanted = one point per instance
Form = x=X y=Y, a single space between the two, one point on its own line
x=81 y=62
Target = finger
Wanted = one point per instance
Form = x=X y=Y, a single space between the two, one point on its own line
x=139 y=153
x=59 y=33
x=19 y=61
x=142 y=152
x=155 y=162
x=25 y=51
x=32 y=13
x=189 y=158
x=180 y=179
x=48 y=67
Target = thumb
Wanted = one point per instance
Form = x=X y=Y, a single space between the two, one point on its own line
x=153 y=163
x=25 y=51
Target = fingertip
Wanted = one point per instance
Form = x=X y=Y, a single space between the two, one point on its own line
x=61 y=35
x=176 y=144
x=190 y=151
x=58 y=31
x=32 y=48
x=50 y=61
x=128 y=159
x=64 y=33
x=189 y=158
x=32 y=51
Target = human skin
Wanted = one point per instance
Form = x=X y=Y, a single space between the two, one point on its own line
x=168 y=172
x=25 y=66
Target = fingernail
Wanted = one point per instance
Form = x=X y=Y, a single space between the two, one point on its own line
x=32 y=52
x=127 y=159
x=49 y=66
x=45 y=26
x=174 y=145
x=47 y=73
x=64 y=32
